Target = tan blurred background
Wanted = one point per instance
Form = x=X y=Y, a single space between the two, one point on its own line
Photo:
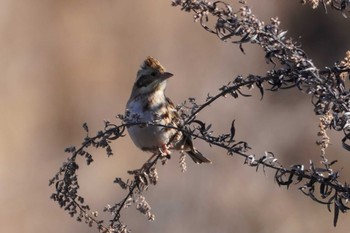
x=63 y=63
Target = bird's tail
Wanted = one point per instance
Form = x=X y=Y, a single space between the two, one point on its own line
x=197 y=156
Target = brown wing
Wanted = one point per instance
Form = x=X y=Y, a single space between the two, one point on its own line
x=175 y=117
x=183 y=139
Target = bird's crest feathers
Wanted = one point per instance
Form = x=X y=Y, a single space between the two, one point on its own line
x=153 y=63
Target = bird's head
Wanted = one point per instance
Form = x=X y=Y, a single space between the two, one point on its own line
x=151 y=77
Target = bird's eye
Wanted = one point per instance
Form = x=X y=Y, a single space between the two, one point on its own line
x=154 y=73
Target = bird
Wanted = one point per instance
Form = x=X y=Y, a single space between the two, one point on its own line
x=149 y=105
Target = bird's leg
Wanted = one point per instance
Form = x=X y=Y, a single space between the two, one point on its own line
x=164 y=150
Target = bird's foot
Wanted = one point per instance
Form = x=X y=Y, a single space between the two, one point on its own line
x=164 y=150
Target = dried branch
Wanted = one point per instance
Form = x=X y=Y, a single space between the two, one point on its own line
x=340 y=5
x=329 y=97
x=326 y=85
x=67 y=183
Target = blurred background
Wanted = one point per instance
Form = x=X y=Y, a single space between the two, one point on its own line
x=63 y=63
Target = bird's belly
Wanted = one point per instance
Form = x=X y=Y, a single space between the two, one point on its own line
x=149 y=137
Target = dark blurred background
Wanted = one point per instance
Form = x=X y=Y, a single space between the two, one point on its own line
x=63 y=63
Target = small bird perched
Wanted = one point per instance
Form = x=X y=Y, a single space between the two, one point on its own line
x=148 y=104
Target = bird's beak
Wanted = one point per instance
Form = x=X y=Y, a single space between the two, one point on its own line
x=165 y=75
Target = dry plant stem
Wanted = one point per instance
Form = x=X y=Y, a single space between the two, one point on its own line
x=145 y=168
x=235 y=87
x=274 y=166
x=339 y=5
x=118 y=130
x=326 y=86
